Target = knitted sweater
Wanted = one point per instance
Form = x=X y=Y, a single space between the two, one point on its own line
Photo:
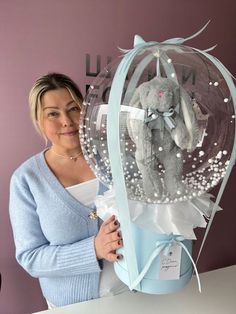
x=54 y=237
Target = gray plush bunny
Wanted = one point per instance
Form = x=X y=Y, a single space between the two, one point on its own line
x=170 y=126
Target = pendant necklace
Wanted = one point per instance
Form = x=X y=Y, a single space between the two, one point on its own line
x=74 y=158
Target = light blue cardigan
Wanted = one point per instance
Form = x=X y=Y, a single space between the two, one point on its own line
x=54 y=237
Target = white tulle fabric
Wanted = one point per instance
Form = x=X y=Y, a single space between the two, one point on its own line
x=177 y=218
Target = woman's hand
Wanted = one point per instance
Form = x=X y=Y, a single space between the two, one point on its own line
x=108 y=240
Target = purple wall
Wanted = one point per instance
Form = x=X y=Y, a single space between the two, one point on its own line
x=41 y=36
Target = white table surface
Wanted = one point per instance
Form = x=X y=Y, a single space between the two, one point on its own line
x=218 y=297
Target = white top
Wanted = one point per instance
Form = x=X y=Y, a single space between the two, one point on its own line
x=85 y=192
x=110 y=284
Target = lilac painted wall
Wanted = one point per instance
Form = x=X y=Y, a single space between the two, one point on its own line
x=41 y=36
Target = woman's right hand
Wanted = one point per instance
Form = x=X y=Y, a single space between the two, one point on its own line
x=108 y=240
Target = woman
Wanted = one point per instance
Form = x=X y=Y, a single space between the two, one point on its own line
x=57 y=236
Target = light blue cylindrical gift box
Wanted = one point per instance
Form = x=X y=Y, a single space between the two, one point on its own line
x=145 y=243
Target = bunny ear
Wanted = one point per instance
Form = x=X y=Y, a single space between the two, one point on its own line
x=135 y=100
x=189 y=119
x=131 y=123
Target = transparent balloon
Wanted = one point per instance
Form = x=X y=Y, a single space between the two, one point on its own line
x=157 y=166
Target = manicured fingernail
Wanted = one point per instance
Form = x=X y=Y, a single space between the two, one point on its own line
x=116 y=222
x=119 y=242
x=119 y=256
x=119 y=234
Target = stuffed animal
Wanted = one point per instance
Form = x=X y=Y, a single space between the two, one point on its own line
x=169 y=127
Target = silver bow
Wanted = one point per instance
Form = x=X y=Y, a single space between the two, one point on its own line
x=160 y=120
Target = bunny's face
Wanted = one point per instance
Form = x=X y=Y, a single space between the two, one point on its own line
x=160 y=94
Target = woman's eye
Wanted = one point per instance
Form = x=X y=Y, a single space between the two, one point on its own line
x=53 y=114
x=75 y=108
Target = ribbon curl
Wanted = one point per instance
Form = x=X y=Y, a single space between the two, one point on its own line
x=140 y=43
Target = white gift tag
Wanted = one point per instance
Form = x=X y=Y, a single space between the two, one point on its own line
x=170 y=263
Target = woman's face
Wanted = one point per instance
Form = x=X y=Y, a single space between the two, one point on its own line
x=60 y=119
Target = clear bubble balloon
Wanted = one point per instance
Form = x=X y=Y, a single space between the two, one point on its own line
x=177 y=125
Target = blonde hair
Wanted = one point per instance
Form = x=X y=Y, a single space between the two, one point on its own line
x=51 y=81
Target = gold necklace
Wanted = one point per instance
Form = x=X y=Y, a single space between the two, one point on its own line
x=70 y=157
